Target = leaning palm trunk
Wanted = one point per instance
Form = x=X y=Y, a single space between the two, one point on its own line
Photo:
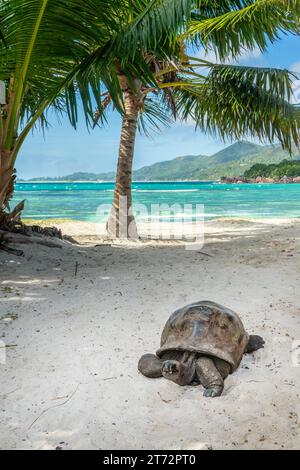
x=7 y=179
x=7 y=182
x=8 y=152
x=121 y=223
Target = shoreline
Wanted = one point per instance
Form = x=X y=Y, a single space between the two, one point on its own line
x=227 y=180
x=113 y=181
x=169 y=232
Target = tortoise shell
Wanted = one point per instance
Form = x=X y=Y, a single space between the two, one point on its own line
x=207 y=328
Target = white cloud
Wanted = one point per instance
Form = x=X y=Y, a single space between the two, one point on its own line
x=295 y=67
x=246 y=57
x=250 y=55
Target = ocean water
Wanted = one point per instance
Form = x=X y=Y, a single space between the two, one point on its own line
x=79 y=201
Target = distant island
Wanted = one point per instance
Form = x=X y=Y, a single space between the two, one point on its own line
x=231 y=162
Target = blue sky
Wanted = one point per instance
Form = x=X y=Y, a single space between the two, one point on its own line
x=62 y=150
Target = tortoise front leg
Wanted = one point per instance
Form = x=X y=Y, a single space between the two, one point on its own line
x=150 y=365
x=209 y=376
x=181 y=369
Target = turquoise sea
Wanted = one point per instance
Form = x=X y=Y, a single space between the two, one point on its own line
x=79 y=201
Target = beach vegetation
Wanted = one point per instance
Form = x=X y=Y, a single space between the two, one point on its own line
x=275 y=171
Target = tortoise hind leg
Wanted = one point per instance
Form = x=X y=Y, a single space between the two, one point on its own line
x=255 y=342
x=209 y=376
x=150 y=366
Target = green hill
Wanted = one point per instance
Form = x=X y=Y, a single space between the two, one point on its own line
x=178 y=168
x=231 y=161
x=236 y=151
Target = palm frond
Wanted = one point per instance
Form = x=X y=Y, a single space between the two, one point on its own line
x=44 y=41
x=153 y=22
x=139 y=26
x=277 y=81
x=153 y=116
x=237 y=107
x=230 y=27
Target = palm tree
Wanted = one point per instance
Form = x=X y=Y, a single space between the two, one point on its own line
x=132 y=54
x=41 y=44
x=150 y=78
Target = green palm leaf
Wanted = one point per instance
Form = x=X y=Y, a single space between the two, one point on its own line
x=235 y=102
x=230 y=27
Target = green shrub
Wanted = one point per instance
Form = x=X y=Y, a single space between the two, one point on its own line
x=275 y=171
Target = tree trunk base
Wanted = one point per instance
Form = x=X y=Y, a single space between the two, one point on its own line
x=14 y=231
x=9 y=237
x=124 y=230
x=7 y=224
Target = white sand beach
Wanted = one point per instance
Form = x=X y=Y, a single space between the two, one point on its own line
x=74 y=322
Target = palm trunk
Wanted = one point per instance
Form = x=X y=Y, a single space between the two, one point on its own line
x=7 y=178
x=8 y=140
x=121 y=223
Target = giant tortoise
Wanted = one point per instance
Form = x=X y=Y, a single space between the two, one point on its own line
x=201 y=343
